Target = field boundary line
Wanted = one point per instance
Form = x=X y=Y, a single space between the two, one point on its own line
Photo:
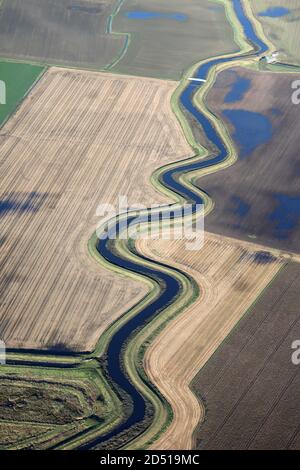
x=109 y=30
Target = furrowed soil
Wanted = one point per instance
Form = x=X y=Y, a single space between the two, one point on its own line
x=250 y=387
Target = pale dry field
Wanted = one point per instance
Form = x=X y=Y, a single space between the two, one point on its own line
x=230 y=278
x=78 y=140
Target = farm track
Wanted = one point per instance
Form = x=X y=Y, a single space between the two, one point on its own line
x=186 y=169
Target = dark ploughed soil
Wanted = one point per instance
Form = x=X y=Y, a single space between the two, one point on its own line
x=259 y=196
x=250 y=387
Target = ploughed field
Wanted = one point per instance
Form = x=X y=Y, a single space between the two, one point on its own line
x=250 y=388
x=59 y=32
x=80 y=139
x=230 y=275
x=258 y=197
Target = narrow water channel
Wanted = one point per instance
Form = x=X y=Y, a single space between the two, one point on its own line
x=171 y=287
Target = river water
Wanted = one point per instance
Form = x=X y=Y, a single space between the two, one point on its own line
x=171 y=287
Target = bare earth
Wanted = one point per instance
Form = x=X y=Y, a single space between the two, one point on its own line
x=258 y=197
x=78 y=140
x=251 y=387
x=231 y=275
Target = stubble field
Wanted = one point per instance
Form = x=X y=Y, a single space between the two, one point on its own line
x=80 y=139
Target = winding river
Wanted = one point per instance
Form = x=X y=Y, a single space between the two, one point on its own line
x=171 y=287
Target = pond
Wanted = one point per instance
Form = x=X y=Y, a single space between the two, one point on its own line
x=238 y=89
x=251 y=129
x=275 y=12
x=152 y=15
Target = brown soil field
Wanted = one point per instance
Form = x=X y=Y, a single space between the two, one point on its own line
x=78 y=140
x=258 y=196
x=250 y=387
x=231 y=275
x=59 y=32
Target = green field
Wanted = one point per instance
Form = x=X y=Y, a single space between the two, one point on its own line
x=43 y=407
x=18 y=78
x=176 y=35
x=283 y=31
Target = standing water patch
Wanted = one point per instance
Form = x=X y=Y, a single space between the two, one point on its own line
x=251 y=129
x=152 y=15
x=275 y=12
x=238 y=89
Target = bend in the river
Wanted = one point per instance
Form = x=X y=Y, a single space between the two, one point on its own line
x=171 y=286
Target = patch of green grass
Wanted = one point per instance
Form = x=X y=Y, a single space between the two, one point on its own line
x=73 y=403
x=13 y=433
x=18 y=79
x=39 y=402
